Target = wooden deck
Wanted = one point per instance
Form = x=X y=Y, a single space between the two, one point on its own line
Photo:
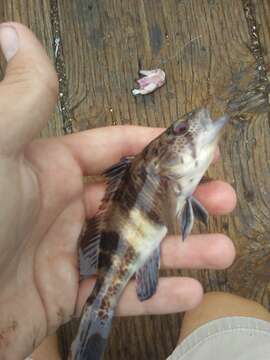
x=205 y=47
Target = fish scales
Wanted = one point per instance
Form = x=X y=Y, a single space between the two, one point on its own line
x=144 y=197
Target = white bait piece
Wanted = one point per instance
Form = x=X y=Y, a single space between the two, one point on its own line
x=151 y=80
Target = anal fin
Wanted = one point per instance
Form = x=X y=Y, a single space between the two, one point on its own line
x=147 y=276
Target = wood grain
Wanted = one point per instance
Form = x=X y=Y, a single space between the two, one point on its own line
x=207 y=50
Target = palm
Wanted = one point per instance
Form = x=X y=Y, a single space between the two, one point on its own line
x=47 y=264
x=59 y=224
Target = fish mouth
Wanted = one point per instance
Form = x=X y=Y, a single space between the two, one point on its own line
x=216 y=127
x=220 y=122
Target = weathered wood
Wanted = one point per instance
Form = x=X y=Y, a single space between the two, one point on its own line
x=205 y=48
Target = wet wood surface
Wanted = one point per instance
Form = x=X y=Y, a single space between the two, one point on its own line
x=207 y=49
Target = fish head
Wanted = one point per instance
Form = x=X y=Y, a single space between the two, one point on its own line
x=189 y=146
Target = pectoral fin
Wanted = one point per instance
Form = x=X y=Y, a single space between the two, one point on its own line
x=147 y=276
x=199 y=211
x=193 y=208
x=187 y=219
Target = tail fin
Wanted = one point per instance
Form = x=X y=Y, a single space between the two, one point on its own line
x=94 y=329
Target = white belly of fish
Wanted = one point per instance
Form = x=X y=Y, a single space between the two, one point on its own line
x=143 y=234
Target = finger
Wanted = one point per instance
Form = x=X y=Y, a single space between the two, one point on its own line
x=208 y=251
x=217 y=197
x=198 y=251
x=29 y=89
x=93 y=195
x=174 y=294
x=97 y=149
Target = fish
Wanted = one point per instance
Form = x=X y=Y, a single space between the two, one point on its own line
x=145 y=194
x=150 y=81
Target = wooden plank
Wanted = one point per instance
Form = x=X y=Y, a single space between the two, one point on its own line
x=260 y=12
x=205 y=49
x=106 y=44
x=252 y=218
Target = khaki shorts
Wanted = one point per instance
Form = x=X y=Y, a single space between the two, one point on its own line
x=230 y=338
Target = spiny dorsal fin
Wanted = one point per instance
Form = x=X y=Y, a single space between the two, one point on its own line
x=117 y=170
x=90 y=239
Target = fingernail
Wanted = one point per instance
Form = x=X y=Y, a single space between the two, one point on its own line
x=9 y=41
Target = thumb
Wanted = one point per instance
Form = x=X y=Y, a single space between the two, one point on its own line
x=28 y=91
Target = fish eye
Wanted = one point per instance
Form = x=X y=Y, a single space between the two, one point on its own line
x=181 y=128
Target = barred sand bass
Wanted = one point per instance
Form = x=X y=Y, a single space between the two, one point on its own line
x=144 y=194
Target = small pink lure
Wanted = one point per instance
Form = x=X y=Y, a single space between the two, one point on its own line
x=151 y=80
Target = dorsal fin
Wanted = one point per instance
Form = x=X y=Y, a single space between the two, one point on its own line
x=117 y=170
x=90 y=239
x=89 y=247
x=114 y=175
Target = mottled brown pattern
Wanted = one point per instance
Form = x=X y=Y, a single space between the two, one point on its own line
x=95 y=237
x=121 y=272
x=103 y=313
x=113 y=289
x=137 y=183
x=109 y=244
x=105 y=303
x=119 y=264
x=139 y=190
x=142 y=185
x=190 y=140
x=129 y=257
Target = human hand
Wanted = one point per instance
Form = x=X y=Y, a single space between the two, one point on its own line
x=44 y=205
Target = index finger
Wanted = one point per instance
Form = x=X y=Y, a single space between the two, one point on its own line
x=97 y=149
